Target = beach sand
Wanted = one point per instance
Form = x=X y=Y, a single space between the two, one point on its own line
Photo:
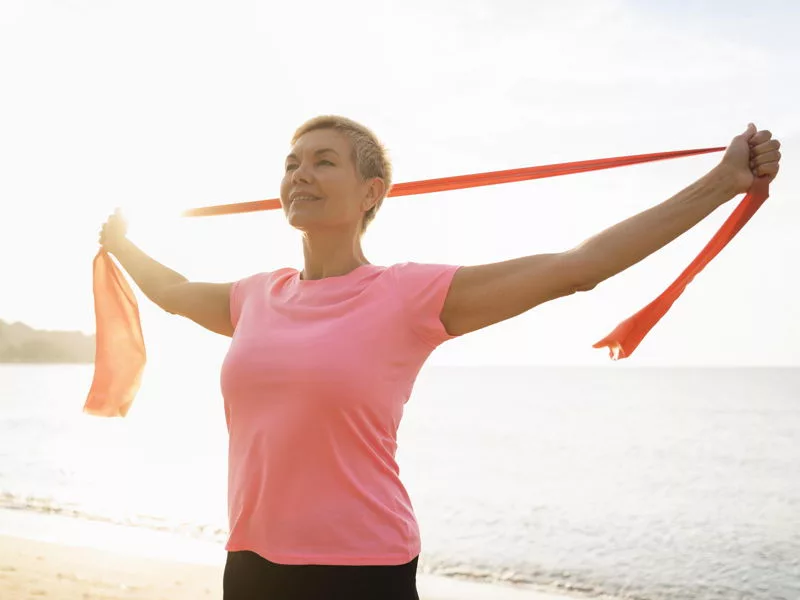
x=32 y=569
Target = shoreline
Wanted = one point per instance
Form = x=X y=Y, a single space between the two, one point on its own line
x=56 y=557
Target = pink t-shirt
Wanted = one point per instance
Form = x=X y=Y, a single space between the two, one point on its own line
x=315 y=382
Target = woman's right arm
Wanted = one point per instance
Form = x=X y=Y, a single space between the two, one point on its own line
x=207 y=304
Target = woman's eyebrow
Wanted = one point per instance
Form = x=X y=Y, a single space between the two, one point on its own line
x=316 y=153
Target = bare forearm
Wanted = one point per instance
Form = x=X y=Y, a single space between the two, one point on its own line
x=150 y=275
x=623 y=245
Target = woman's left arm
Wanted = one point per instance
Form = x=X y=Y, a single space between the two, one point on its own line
x=483 y=295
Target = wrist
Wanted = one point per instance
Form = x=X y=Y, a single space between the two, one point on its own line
x=728 y=181
x=119 y=246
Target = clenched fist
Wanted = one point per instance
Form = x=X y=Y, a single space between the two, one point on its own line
x=113 y=232
x=749 y=155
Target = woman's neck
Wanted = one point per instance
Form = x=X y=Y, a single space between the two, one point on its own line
x=331 y=255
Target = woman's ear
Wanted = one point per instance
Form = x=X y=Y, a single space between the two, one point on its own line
x=376 y=188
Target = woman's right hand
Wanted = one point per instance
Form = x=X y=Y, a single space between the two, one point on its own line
x=113 y=233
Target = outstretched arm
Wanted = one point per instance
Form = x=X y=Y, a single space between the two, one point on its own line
x=207 y=304
x=483 y=295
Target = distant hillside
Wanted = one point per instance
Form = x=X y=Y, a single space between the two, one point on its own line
x=22 y=344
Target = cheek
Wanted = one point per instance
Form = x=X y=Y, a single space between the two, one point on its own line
x=347 y=200
x=345 y=190
x=285 y=182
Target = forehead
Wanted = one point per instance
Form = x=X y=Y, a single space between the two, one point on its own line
x=322 y=138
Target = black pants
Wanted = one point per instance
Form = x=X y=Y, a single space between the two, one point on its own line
x=248 y=576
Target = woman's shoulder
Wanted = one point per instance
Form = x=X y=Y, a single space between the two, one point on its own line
x=264 y=276
x=245 y=286
x=413 y=270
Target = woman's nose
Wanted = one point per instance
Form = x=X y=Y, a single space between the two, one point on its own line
x=301 y=173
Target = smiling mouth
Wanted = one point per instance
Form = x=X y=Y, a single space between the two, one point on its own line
x=305 y=199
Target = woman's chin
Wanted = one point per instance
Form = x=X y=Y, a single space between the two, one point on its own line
x=303 y=222
x=308 y=221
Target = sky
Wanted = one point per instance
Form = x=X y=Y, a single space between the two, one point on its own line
x=158 y=106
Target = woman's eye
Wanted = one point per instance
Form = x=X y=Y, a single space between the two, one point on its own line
x=292 y=167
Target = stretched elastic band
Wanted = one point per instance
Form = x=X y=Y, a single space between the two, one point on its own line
x=460 y=182
x=120 y=355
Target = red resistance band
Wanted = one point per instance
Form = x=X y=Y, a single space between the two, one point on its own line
x=120 y=355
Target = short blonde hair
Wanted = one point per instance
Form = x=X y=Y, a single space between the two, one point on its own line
x=369 y=154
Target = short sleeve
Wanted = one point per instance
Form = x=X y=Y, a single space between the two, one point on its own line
x=240 y=290
x=422 y=289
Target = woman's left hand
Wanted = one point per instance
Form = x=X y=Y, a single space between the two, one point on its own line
x=749 y=155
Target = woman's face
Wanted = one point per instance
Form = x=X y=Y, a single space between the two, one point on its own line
x=321 y=189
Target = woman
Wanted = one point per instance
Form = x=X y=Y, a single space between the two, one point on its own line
x=322 y=360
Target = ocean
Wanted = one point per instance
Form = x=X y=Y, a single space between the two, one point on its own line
x=645 y=483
